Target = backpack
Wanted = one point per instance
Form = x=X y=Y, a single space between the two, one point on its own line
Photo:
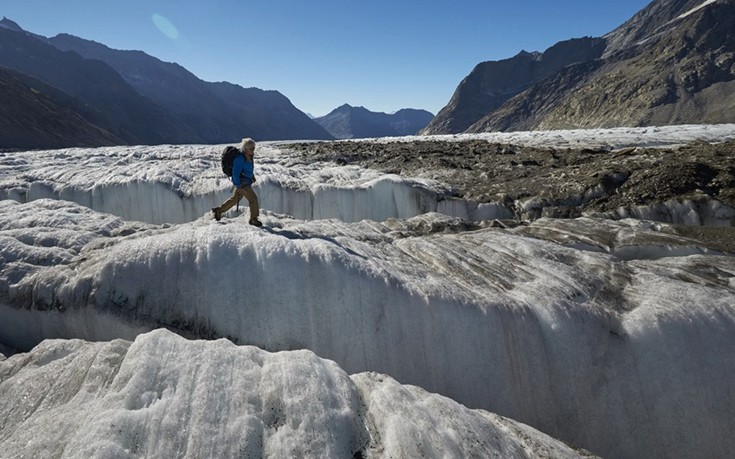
x=228 y=156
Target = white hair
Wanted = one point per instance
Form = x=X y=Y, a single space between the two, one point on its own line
x=247 y=143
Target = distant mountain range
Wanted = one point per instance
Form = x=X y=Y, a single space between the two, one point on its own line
x=347 y=122
x=67 y=91
x=672 y=63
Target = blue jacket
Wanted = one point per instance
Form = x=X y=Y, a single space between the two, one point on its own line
x=242 y=171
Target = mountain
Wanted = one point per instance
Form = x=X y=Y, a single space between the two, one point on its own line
x=682 y=70
x=409 y=121
x=216 y=112
x=492 y=83
x=671 y=63
x=138 y=99
x=269 y=114
x=347 y=122
x=109 y=101
x=36 y=115
x=10 y=25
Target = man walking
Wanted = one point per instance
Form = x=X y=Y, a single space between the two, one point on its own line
x=243 y=177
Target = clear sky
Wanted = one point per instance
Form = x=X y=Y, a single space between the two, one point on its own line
x=380 y=54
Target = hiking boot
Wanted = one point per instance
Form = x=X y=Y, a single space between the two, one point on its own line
x=256 y=222
x=217 y=213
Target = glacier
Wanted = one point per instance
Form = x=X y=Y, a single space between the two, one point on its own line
x=178 y=184
x=616 y=336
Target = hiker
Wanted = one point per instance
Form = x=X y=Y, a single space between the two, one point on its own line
x=243 y=176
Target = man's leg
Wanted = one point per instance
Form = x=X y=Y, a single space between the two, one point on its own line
x=227 y=205
x=252 y=202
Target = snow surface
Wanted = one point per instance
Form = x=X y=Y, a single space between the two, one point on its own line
x=616 y=336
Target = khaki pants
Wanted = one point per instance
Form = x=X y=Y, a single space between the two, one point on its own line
x=246 y=192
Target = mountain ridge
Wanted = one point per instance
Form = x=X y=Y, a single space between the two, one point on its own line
x=139 y=99
x=198 y=103
x=348 y=122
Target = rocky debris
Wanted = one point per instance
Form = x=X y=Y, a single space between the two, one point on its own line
x=546 y=182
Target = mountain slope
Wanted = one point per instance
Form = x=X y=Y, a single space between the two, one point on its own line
x=36 y=115
x=409 y=121
x=683 y=73
x=347 y=122
x=216 y=112
x=656 y=16
x=112 y=103
x=672 y=63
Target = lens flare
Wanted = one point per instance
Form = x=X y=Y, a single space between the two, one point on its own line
x=165 y=26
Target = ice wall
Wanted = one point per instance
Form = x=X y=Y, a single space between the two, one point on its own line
x=156 y=203
x=379 y=199
x=693 y=212
x=139 y=201
x=625 y=358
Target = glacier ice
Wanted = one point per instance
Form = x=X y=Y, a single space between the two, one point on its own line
x=576 y=342
x=164 y=396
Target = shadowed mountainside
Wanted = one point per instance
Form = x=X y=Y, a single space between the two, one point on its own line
x=137 y=98
x=112 y=104
x=36 y=115
x=214 y=112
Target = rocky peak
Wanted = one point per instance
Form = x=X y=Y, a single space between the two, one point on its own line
x=10 y=25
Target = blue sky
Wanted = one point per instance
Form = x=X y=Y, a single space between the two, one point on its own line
x=379 y=54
